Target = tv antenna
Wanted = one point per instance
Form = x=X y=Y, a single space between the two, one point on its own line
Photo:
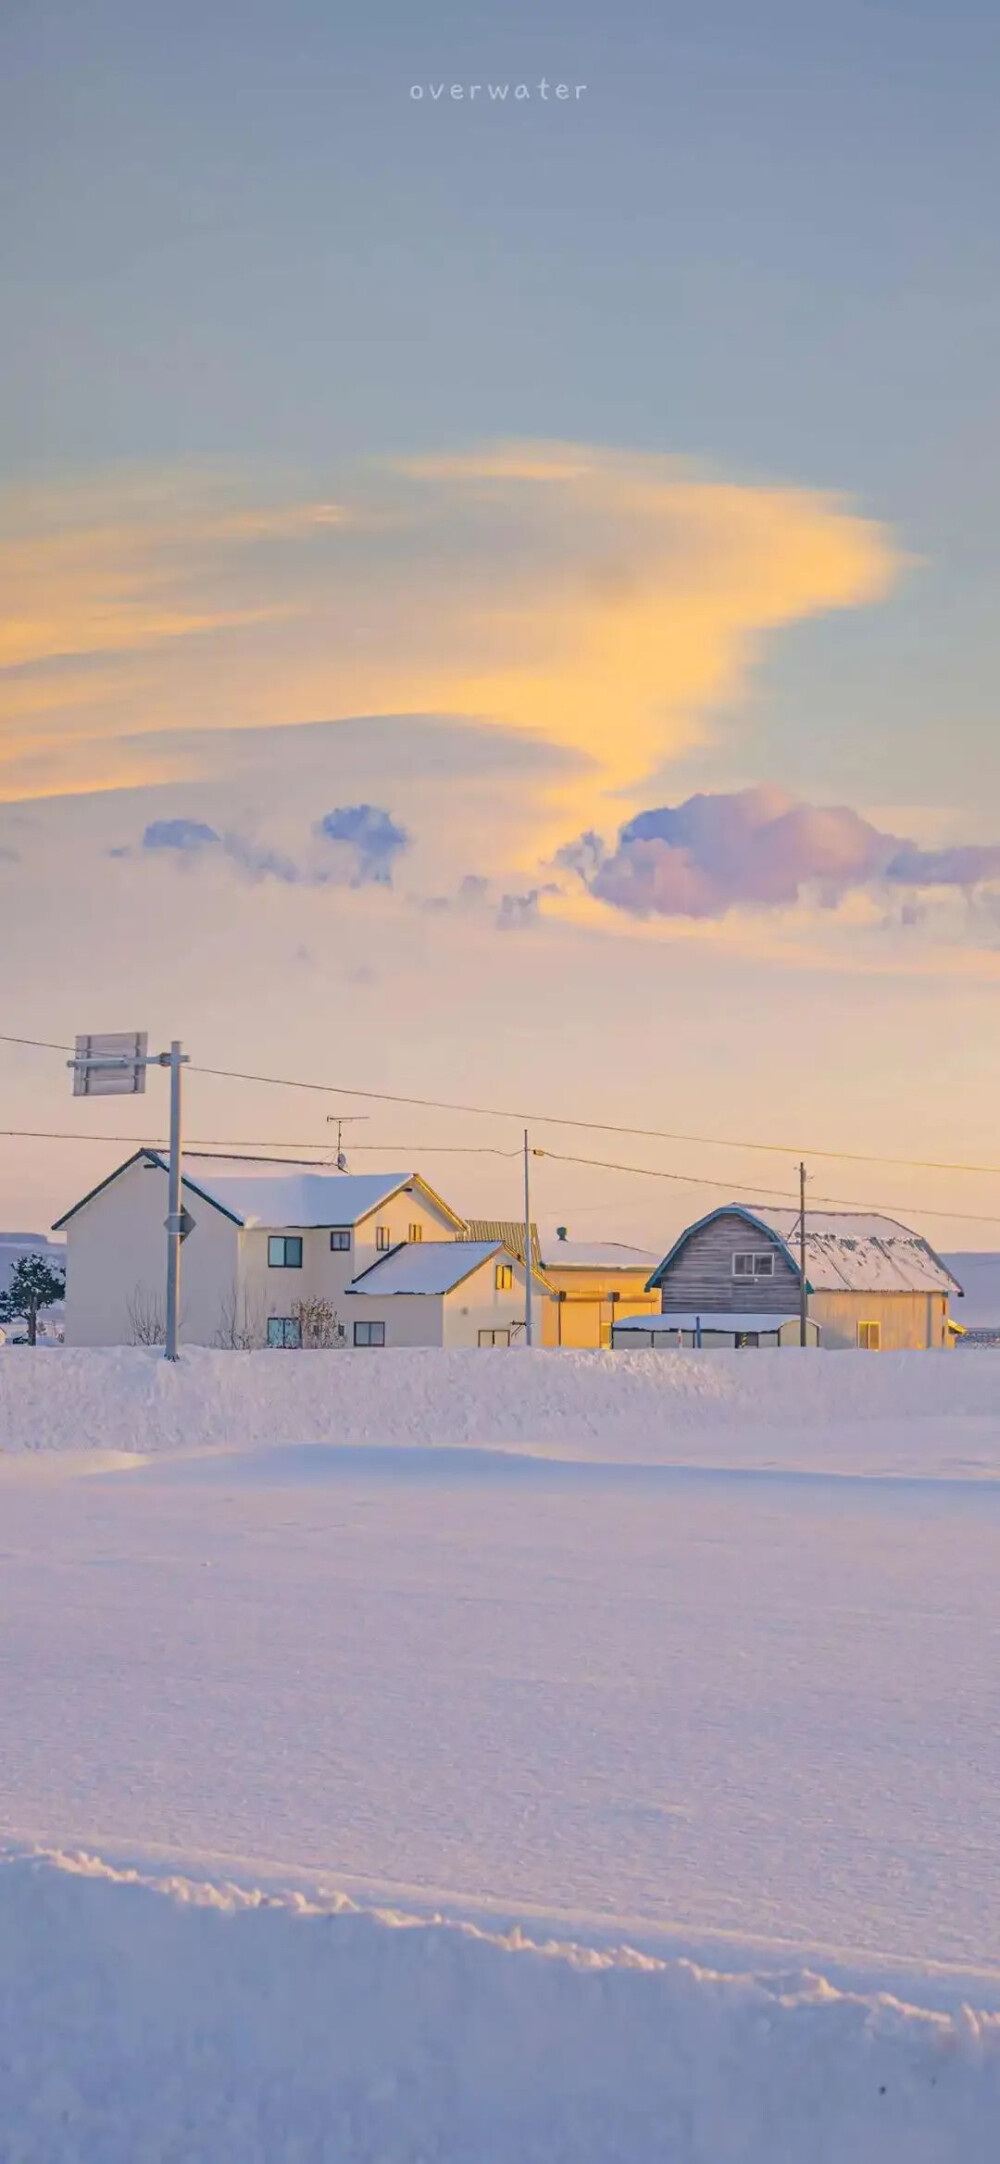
x=340 y=1120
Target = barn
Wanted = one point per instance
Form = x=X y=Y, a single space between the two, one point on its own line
x=871 y=1282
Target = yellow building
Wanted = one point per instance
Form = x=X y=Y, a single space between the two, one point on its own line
x=592 y=1283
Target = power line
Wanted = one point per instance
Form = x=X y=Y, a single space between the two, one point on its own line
x=686 y=1179
x=556 y=1119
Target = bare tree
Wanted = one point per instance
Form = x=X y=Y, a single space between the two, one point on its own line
x=241 y=1326
x=320 y=1327
x=146 y=1322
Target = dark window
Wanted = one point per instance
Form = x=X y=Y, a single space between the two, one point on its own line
x=284 y=1331
x=284 y=1252
x=746 y=1337
x=369 y=1333
x=751 y=1265
x=383 y=1238
x=340 y=1240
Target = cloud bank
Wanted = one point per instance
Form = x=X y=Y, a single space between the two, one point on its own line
x=759 y=849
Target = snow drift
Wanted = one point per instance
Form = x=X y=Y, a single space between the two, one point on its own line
x=184 y=2021
x=901 y=1413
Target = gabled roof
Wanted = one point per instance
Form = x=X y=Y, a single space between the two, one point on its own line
x=425 y=1266
x=846 y=1250
x=303 y=1201
x=508 y=1230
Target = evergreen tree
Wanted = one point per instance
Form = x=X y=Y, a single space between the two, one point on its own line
x=34 y=1285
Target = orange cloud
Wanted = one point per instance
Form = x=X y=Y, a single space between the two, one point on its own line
x=606 y=602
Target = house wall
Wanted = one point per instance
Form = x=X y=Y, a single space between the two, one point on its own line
x=326 y=1273
x=453 y=1319
x=477 y=1305
x=116 y=1263
x=410 y=1318
x=701 y=1274
x=909 y=1321
x=584 y=1315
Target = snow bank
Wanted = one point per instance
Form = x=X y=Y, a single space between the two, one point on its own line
x=143 y=2021
x=917 y=1413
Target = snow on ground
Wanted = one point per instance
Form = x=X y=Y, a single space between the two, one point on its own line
x=895 y=1412
x=607 y=1668
x=204 y=2026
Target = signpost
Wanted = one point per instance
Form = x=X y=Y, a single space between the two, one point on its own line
x=115 y=1066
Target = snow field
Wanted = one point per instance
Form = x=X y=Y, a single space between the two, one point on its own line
x=895 y=1413
x=183 y=2023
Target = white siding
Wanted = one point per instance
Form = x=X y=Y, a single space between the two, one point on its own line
x=116 y=1263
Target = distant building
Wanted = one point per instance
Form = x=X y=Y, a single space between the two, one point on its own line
x=872 y=1283
x=979 y=1276
x=592 y=1283
x=379 y=1252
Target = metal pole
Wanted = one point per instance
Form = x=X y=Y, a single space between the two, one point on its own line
x=528 y=1325
x=803 y=1285
x=174 y=1062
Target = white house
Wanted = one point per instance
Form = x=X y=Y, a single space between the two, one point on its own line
x=265 y=1248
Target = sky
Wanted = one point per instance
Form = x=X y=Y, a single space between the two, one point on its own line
x=499 y=593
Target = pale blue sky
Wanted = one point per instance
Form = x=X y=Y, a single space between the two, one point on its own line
x=764 y=241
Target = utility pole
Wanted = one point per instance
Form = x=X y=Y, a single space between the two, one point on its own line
x=174 y=1059
x=803 y=1286
x=528 y=1320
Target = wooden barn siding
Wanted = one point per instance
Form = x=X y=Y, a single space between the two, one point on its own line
x=701 y=1278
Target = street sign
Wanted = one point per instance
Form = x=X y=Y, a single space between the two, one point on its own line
x=112 y=1065
x=185 y=1224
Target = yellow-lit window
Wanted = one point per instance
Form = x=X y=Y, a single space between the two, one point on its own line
x=870 y=1336
x=415 y=1232
x=503 y=1277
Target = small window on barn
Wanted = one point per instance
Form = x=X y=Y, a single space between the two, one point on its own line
x=749 y=1264
x=415 y=1232
x=494 y=1337
x=503 y=1277
x=869 y=1337
x=383 y=1238
x=340 y=1239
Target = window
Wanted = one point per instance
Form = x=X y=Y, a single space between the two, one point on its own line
x=340 y=1240
x=745 y=1338
x=284 y=1252
x=369 y=1333
x=751 y=1265
x=414 y=1232
x=494 y=1337
x=284 y=1331
x=503 y=1277
x=869 y=1336
x=383 y=1238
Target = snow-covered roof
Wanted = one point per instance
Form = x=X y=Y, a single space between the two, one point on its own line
x=595 y=1255
x=859 y=1251
x=425 y=1266
x=723 y=1320
x=301 y=1198
x=846 y=1250
x=282 y=1200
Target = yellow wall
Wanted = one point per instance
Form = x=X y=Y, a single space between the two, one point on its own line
x=909 y=1321
x=583 y=1318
